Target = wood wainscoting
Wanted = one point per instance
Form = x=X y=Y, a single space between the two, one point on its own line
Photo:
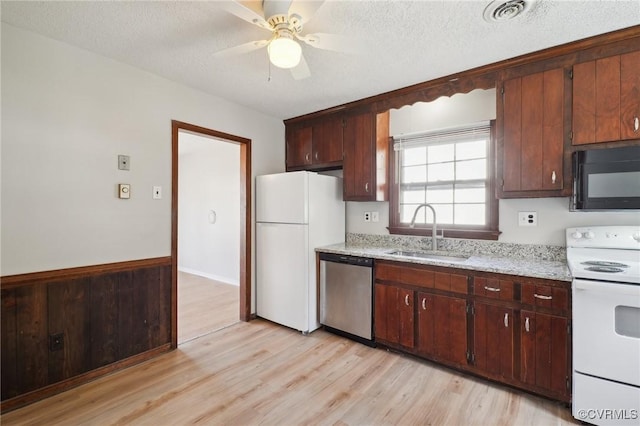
x=63 y=328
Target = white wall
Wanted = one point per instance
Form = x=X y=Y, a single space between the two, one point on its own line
x=553 y=217
x=553 y=213
x=462 y=108
x=209 y=208
x=66 y=115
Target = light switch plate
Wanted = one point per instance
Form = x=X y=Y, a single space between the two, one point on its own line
x=157 y=192
x=124 y=190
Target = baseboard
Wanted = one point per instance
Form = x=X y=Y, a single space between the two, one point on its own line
x=225 y=280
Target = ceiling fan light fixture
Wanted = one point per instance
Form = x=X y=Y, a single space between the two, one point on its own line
x=284 y=52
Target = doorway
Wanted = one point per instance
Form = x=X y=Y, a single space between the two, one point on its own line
x=208 y=232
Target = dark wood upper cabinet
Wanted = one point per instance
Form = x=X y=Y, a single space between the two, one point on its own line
x=315 y=146
x=606 y=99
x=533 y=135
x=366 y=150
x=327 y=142
x=299 y=144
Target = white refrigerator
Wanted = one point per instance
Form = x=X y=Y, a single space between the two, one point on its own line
x=295 y=213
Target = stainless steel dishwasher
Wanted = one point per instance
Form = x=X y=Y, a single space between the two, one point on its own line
x=346 y=296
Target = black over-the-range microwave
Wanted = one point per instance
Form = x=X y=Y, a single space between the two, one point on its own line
x=606 y=179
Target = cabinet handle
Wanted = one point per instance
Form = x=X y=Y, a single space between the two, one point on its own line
x=526 y=324
x=424 y=303
x=315 y=156
x=553 y=177
x=636 y=124
x=366 y=187
x=506 y=320
x=491 y=289
x=406 y=299
x=307 y=157
x=541 y=296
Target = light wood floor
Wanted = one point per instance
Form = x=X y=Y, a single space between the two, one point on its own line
x=205 y=306
x=262 y=373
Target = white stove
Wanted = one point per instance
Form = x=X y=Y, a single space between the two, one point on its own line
x=605 y=264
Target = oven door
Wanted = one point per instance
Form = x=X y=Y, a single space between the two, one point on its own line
x=606 y=330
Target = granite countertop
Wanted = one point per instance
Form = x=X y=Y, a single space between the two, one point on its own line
x=525 y=267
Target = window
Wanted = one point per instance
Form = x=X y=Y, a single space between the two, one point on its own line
x=451 y=170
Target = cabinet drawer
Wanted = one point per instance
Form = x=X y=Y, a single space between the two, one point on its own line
x=385 y=271
x=545 y=296
x=404 y=274
x=451 y=282
x=493 y=288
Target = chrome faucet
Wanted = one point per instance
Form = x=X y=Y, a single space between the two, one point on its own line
x=434 y=241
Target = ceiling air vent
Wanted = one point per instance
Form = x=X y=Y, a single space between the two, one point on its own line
x=501 y=11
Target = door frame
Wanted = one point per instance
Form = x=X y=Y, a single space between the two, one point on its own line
x=245 y=218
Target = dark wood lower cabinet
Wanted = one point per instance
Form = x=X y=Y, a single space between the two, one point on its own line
x=509 y=329
x=394 y=317
x=442 y=324
x=493 y=340
x=55 y=329
x=544 y=351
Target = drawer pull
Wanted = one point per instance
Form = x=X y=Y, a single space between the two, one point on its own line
x=424 y=303
x=315 y=156
x=366 y=187
x=306 y=157
x=542 y=297
x=526 y=324
x=491 y=289
x=406 y=299
x=506 y=320
x=636 y=124
x=553 y=177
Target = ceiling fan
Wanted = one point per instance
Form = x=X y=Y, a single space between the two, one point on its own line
x=285 y=20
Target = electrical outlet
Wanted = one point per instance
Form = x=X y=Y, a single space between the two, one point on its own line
x=375 y=217
x=157 y=192
x=123 y=162
x=367 y=216
x=527 y=218
x=56 y=342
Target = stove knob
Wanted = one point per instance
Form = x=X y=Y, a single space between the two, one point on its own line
x=588 y=235
x=577 y=235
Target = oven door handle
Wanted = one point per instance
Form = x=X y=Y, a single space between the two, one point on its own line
x=608 y=288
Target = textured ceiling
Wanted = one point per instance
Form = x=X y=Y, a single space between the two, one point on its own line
x=402 y=43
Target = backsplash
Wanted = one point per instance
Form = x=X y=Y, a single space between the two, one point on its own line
x=470 y=247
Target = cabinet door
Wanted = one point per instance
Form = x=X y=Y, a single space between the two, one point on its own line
x=493 y=339
x=359 y=158
x=327 y=141
x=394 y=315
x=630 y=96
x=450 y=332
x=299 y=143
x=544 y=351
x=533 y=132
x=426 y=324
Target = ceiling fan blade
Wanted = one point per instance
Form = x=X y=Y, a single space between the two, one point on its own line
x=333 y=42
x=240 y=49
x=301 y=71
x=305 y=8
x=250 y=11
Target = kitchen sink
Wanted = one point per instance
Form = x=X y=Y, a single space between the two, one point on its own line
x=426 y=255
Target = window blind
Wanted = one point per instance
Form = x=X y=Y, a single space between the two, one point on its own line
x=442 y=136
